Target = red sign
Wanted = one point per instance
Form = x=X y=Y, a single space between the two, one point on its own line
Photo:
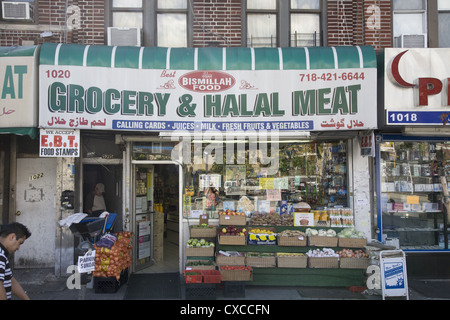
x=427 y=85
x=206 y=81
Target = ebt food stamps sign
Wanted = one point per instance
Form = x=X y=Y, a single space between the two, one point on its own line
x=223 y=89
x=59 y=143
x=417 y=86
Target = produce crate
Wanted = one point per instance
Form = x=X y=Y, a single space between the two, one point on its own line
x=323 y=262
x=211 y=276
x=295 y=241
x=192 y=276
x=200 y=252
x=199 y=291
x=197 y=232
x=354 y=263
x=235 y=220
x=110 y=284
x=292 y=261
x=263 y=262
x=323 y=241
x=352 y=242
x=232 y=240
x=198 y=266
x=234 y=289
x=260 y=241
x=230 y=260
x=236 y=275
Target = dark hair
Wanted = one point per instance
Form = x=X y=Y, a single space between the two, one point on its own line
x=17 y=228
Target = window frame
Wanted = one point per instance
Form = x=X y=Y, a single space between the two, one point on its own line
x=319 y=12
x=246 y=12
x=149 y=20
x=425 y=20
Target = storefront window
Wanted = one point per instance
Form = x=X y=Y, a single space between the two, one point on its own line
x=269 y=180
x=152 y=151
x=412 y=177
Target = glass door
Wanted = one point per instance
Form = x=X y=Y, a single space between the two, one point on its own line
x=143 y=209
x=413 y=175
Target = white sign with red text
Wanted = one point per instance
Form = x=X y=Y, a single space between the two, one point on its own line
x=59 y=143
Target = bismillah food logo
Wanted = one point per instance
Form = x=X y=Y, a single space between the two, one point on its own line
x=207 y=81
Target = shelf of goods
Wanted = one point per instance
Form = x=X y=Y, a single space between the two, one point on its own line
x=262 y=257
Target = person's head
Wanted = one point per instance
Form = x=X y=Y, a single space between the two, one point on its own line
x=99 y=188
x=13 y=235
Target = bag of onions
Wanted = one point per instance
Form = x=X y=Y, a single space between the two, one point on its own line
x=111 y=260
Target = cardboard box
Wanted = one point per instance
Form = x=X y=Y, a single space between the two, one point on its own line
x=197 y=232
x=323 y=241
x=292 y=261
x=354 y=263
x=293 y=241
x=323 y=262
x=352 y=242
x=259 y=240
x=263 y=262
x=236 y=275
x=234 y=220
x=199 y=251
x=303 y=219
x=232 y=260
x=232 y=240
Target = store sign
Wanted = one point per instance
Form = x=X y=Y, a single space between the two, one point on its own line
x=417 y=86
x=107 y=98
x=18 y=87
x=59 y=143
x=367 y=144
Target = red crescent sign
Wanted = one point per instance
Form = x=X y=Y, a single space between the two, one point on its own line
x=396 y=74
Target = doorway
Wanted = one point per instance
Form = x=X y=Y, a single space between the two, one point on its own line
x=111 y=177
x=157 y=195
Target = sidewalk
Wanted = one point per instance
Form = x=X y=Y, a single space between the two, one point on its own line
x=41 y=284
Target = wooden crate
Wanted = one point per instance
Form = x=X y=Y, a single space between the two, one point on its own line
x=232 y=240
x=262 y=262
x=323 y=241
x=323 y=262
x=203 y=232
x=199 y=252
x=352 y=242
x=292 y=261
x=295 y=241
x=236 y=275
x=354 y=263
x=233 y=220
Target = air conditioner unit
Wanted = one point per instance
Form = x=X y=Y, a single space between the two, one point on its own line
x=124 y=36
x=412 y=41
x=16 y=10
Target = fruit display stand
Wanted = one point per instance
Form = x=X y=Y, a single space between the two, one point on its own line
x=299 y=274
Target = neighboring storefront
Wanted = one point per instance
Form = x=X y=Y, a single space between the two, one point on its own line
x=266 y=128
x=413 y=150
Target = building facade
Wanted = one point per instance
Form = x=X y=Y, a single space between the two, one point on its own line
x=128 y=159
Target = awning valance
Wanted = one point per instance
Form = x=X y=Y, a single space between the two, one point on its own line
x=234 y=58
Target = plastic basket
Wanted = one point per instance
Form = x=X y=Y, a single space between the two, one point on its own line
x=199 y=291
x=211 y=276
x=193 y=276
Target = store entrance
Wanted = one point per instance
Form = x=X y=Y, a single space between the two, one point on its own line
x=160 y=183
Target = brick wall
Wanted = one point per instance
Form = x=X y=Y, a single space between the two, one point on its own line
x=215 y=23
x=87 y=17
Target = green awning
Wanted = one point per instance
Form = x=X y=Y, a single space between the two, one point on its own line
x=234 y=58
x=32 y=132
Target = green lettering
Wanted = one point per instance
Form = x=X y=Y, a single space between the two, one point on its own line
x=145 y=100
x=110 y=107
x=75 y=98
x=230 y=106
x=20 y=71
x=93 y=100
x=340 y=101
x=161 y=101
x=262 y=105
x=57 y=97
x=354 y=97
x=128 y=101
x=304 y=101
x=8 y=84
x=212 y=105
x=275 y=110
x=322 y=101
x=243 y=106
